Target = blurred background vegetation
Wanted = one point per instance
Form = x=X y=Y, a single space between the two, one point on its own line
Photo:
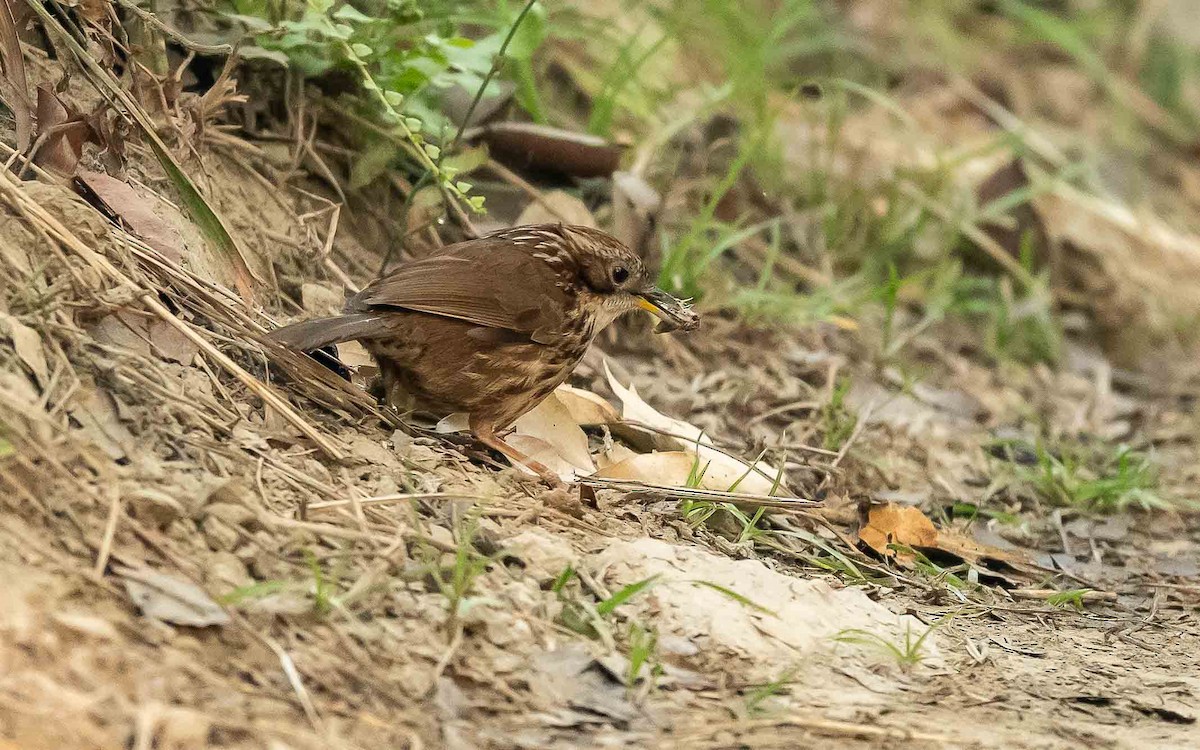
x=874 y=164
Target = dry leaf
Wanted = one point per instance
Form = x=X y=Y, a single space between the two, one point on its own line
x=58 y=152
x=895 y=524
x=614 y=453
x=551 y=422
x=171 y=599
x=28 y=346
x=555 y=207
x=634 y=409
x=136 y=212
x=585 y=407
x=459 y=421
x=167 y=341
x=96 y=413
x=675 y=468
x=525 y=145
x=692 y=439
x=145 y=336
x=544 y=453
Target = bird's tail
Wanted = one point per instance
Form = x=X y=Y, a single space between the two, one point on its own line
x=314 y=334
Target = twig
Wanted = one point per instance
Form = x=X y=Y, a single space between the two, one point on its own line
x=110 y=533
x=863 y=416
x=183 y=41
x=293 y=678
x=695 y=493
x=1046 y=594
x=393 y=498
x=12 y=191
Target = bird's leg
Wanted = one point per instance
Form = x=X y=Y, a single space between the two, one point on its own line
x=486 y=434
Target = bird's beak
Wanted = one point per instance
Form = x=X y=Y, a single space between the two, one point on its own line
x=673 y=314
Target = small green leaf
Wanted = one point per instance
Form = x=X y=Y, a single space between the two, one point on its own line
x=432 y=150
x=607 y=606
x=413 y=124
x=394 y=98
x=361 y=50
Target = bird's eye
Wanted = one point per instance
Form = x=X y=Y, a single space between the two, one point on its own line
x=620 y=275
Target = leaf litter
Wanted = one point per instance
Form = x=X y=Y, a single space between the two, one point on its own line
x=370 y=641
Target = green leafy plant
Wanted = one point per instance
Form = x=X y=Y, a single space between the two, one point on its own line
x=1069 y=599
x=908 y=651
x=1106 y=479
x=403 y=55
x=642 y=652
x=456 y=580
x=760 y=694
x=836 y=418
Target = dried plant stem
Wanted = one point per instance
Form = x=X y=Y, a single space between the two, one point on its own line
x=11 y=191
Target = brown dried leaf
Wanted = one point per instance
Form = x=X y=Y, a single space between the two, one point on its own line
x=894 y=524
x=524 y=145
x=96 y=412
x=135 y=212
x=57 y=152
x=145 y=336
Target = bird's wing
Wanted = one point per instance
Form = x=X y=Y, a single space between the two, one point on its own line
x=488 y=281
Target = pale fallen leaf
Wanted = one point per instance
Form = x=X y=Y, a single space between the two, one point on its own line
x=586 y=408
x=97 y=414
x=144 y=336
x=354 y=354
x=28 y=346
x=171 y=599
x=614 y=454
x=122 y=329
x=551 y=422
x=674 y=468
x=544 y=453
x=451 y=423
x=895 y=524
x=633 y=408
x=692 y=439
x=557 y=206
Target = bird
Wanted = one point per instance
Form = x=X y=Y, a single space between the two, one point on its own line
x=491 y=326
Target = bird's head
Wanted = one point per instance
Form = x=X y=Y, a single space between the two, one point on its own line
x=616 y=281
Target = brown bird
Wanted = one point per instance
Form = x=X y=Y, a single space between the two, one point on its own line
x=492 y=326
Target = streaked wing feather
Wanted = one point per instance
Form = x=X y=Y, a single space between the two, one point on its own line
x=482 y=281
